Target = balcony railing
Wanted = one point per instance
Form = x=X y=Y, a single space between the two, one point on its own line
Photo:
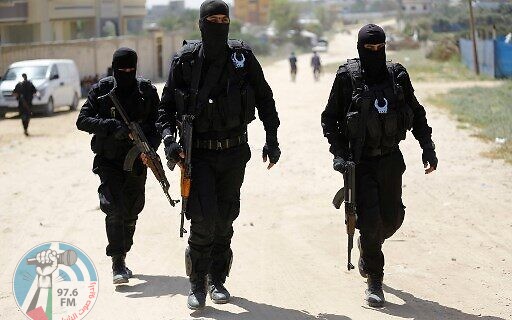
x=13 y=10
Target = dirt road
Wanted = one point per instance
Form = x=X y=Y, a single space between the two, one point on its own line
x=450 y=260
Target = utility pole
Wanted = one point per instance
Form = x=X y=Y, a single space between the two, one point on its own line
x=473 y=36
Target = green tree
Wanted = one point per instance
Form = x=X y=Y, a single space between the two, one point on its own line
x=324 y=17
x=285 y=15
x=187 y=20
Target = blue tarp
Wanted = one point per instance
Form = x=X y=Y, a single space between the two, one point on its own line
x=503 y=59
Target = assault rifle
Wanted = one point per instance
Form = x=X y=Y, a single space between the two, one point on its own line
x=186 y=128
x=142 y=146
x=347 y=194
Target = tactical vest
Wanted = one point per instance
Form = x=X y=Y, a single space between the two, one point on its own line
x=108 y=146
x=232 y=108
x=378 y=115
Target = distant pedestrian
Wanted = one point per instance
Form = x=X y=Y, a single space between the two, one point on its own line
x=24 y=92
x=316 y=64
x=293 y=65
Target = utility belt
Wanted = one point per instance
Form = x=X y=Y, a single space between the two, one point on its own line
x=221 y=144
x=378 y=152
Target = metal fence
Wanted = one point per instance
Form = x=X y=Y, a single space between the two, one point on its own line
x=494 y=56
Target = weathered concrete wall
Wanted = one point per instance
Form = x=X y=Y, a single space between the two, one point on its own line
x=171 y=43
x=94 y=56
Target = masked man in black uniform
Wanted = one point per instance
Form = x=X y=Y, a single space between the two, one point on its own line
x=24 y=92
x=230 y=84
x=121 y=192
x=371 y=107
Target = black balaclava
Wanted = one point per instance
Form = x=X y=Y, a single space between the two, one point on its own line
x=125 y=58
x=373 y=62
x=214 y=35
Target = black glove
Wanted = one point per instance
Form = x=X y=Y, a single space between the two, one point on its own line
x=429 y=157
x=172 y=152
x=339 y=164
x=120 y=131
x=272 y=152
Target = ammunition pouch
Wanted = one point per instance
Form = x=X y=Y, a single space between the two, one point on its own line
x=109 y=147
x=226 y=112
x=353 y=125
x=182 y=101
x=374 y=130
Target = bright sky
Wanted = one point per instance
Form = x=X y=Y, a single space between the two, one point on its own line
x=188 y=3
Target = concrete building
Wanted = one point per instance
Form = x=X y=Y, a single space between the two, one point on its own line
x=25 y=21
x=413 y=7
x=255 y=12
x=157 y=12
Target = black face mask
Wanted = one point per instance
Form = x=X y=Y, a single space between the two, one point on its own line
x=125 y=81
x=215 y=38
x=125 y=58
x=372 y=62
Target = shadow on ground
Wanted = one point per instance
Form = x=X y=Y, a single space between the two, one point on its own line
x=58 y=112
x=255 y=310
x=420 y=309
x=158 y=286
x=155 y=286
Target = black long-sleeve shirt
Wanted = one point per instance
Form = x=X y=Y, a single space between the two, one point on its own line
x=265 y=103
x=25 y=90
x=334 y=116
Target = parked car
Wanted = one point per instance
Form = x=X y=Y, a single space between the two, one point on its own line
x=321 y=46
x=57 y=83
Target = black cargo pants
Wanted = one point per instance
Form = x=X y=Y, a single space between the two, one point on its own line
x=379 y=205
x=214 y=204
x=122 y=197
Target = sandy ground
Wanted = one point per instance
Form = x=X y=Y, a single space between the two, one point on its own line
x=450 y=260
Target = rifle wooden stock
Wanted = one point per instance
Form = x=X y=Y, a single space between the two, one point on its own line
x=185 y=184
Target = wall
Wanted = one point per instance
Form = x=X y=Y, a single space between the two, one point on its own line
x=485 y=51
x=94 y=56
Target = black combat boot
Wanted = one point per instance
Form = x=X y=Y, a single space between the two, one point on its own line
x=374 y=293
x=119 y=269
x=197 y=265
x=218 y=293
x=197 y=295
x=219 y=270
x=360 y=263
x=129 y=272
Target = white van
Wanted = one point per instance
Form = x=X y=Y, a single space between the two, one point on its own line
x=57 y=83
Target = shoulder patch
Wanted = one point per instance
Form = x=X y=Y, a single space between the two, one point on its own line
x=342 y=69
x=105 y=84
x=145 y=85
x=188 y=49
x=235 y=44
